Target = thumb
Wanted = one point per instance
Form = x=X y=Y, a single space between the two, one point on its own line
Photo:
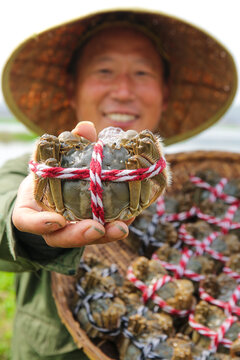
x=87 y=130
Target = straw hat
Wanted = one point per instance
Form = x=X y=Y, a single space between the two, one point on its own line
x=203 y=76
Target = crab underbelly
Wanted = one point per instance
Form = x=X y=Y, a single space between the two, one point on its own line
x=76 y=193
x=77 y=199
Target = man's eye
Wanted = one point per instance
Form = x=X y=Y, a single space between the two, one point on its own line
x=142 y=73
x=105 y=71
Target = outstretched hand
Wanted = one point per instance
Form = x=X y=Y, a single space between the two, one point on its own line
x=29 y=217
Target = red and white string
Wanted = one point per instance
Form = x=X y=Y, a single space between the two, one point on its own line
x=149 y=292
x=226 y=223
x=96 y=183
x=45 y=171
x=96 y=175
x=233 y=274
x=215 y=191
x=202 y=246
x=230 y=305
x=161 y=208
x=217 y=337
x=180 y=269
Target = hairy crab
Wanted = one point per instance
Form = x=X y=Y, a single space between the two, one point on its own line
x=200 y=264
x=220 y=287
x=212 y=317
x=121 y=150
x=146 y=236
x=231 y=187
x=234 y=263
x=96 y=307
x=176 y=293
x=146 y=339
x=227 y=244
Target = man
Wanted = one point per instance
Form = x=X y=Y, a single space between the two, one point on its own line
x=122 y=85
x=118 y=75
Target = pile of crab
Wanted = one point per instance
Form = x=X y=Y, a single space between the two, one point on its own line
x=180 y=299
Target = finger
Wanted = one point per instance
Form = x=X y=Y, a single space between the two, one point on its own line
x=25 y=197
x=116 y=230
x=86 y=232
x=87 y=130
x=28 y=215
x=77 y=234
x=35 y=222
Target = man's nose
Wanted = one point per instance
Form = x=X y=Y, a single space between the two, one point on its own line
x=122 y=88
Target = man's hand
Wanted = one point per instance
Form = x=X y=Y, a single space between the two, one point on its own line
x=29 y=217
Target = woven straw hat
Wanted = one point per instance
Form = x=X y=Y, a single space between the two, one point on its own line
x=203 y=76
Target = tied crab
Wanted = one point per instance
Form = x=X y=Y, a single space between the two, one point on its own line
x=121 y=150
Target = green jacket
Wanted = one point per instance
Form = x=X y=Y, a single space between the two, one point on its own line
x=38 y=331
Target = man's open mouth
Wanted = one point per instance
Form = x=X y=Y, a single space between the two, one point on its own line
x=120 y=117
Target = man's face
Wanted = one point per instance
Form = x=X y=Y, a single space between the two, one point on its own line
x=120 y=81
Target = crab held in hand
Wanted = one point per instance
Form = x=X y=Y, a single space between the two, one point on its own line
x=121 y=174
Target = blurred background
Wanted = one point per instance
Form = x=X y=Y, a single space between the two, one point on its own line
x=21 y=19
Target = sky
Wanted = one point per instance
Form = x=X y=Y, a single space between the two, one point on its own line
x=19 y=19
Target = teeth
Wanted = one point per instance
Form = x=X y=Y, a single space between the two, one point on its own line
x=121 y=117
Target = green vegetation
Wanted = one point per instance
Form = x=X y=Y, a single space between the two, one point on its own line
x=8 y=136
x=7 y=306
x=11 y=120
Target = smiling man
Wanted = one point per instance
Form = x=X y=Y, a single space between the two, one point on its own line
x=107 y=69
x=113 y=82
x=119 y=82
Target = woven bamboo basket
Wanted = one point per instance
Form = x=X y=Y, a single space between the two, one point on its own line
x=182 y=165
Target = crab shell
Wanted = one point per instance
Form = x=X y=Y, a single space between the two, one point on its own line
x=212 y=317
x=121 y=200
x=232 y=187
x=106 y=313
x=177 y=293
x=220 y=287
x=147 y=332
x=200 y=264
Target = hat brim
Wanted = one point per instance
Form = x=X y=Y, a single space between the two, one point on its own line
x=203 y=78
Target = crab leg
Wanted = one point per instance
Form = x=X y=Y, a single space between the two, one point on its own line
x=145 y=184
x=151 y=151
x=39 y=188
x=49 y=151
x=40 y=183
x=134 y=186
x=139 y=190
